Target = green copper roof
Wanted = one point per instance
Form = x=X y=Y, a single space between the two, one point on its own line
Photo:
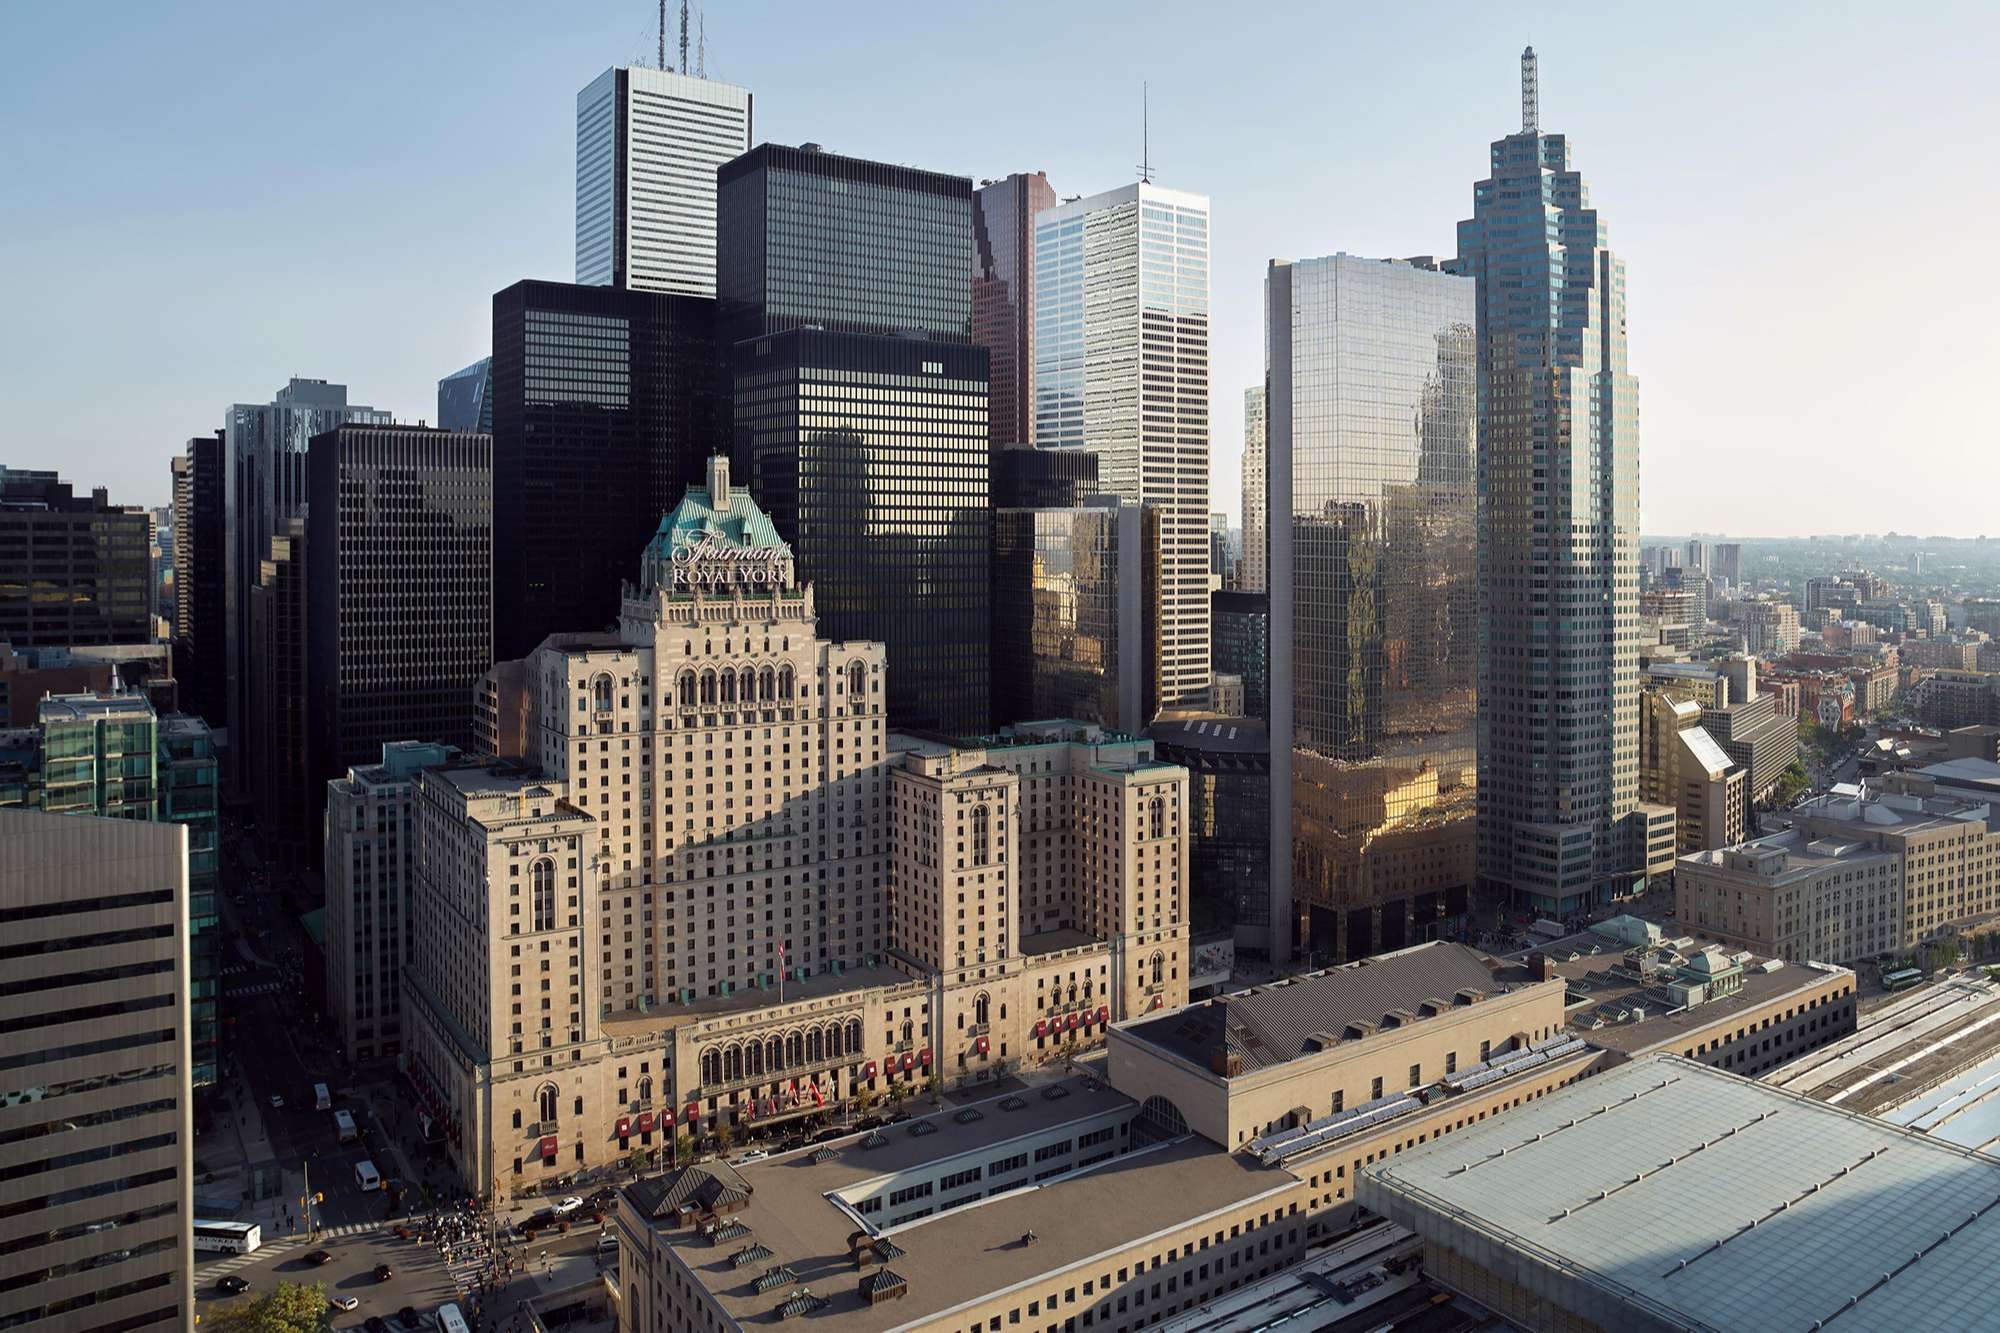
x=741 y=523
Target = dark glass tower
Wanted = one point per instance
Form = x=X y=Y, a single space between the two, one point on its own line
x=399 y=561
x=1558 y=532
x=605 y=407
x=859 y=407
x=1003 y=302
x=77 y=569
x=200 y=541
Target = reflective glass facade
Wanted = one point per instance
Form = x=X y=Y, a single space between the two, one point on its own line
x=1242 y=633
x=73 y=570
x=1003 y=311
x=870 y=456
x=465 y=398
x=1121 y=369
x=1558 y=535
x=808 y=237
x=606 y=405
x=1256 y=555
x=1229 y=825
x=1374 y=632
x=199 y=536
x=1074 y=613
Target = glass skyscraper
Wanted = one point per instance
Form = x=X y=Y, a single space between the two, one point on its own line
x=465 y=398
x=1373 y=655
x=859 y=408
x=1558 y=532
x=1256 y=544
x=1003 y=311
x=1121 y=369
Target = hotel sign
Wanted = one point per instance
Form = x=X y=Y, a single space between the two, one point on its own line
x=706 y=561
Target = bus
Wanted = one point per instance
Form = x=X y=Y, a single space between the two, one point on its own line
x=450 y=1320
x=227 y=1237
x=1901 y=979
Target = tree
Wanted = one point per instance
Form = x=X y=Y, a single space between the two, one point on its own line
x=683 y=1147
x=635 y=1161
x=722 y=1139
x=290 y=1307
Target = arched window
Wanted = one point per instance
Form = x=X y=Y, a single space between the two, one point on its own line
x=815 y=1046
x=645 y=1087
x=1159 y=968
x=857 y=682
x=600 y=693
x=1086 y=990
x=832 y=1040
x=786 y=683
x=729 y=687
x=746 y=686
x=687 y=689
x=982 y=1009
x=1072 y=992
x=1159 y=818
x=546 y=1100
x=767 y=684
x=981 y=844
x=794 y=1053
x=909 y=1032
x=708 y=687
x=854 y=1035
x=732 y=1064
x=774 y=1056
x=542 y=881
x=711 y=1066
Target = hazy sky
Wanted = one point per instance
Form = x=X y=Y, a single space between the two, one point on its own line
x=201 y=199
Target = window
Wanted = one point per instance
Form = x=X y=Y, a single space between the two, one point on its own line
x=1159 y=968
x=542 y=876
x=981 y=843
x=982 y=1007
x=547 y=1099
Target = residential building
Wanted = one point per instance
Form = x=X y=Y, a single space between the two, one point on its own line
x=399 y=626
x=94 y=1028
x=1948 y=700
x=465 y=399
x=1875 y=687
x=200 y=542
x=1558 y=406
x=370 y=867
x=1770 y=629
x=1681 y=766
x=1075 y=606
x=1241 y=630
x=860 y=408
x=1728 y=564
x=1256 y=542
x=79 y=568
x=1228 y=760
x=1757 y=737
x=264 y=484
x=1983 y=614
x=1003 y=300
x=1029 y=478
x=278 y=734
x=1121 y=370
x=714 y=1018
x=648 y=142
x=1374 y=612
x=606 y=402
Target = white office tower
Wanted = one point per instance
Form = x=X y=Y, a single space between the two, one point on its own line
x=648 y=142
x=1121 y=369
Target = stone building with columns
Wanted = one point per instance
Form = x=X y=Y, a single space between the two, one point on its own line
x=714 y=895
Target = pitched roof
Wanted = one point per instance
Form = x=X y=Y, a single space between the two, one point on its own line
x=1269 y=1025
x=705 y=1185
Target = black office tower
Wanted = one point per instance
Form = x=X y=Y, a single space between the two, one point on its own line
x=859 y=407
x=200 y=609
x=606 y=405
x=399 y=578
x=78 y=570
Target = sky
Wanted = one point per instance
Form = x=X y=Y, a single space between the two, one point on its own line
x=201 y=199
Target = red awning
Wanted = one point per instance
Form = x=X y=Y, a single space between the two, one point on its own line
x=924 y=1057
x=645 y=1122
x=547 y=1147
x=908 y=1060
x=1103 y=1013
x=1041 y=1027
x=868 y=1070
x=624 y=1127
x=693 y=1114
x=980 y=1045
x=1072 y=1020
x=1158 y=1000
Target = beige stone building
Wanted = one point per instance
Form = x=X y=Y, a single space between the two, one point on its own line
x=1681 y=766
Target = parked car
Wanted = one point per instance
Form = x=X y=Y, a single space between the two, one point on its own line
x=343 y=1302
x=277 y=1102
x=896 y=1117
x=229 y=1284
x=793 y=1144
x=537 y=1221
x=567 y=1205
x=376 y=1324
x=409 y=1318
x=754 y=1155
x=868 y=1122
x=829 y=1135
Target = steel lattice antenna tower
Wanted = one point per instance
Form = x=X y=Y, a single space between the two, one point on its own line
x=1531 y=98
x=684 y=36
x=701 y=47
x=663 y=34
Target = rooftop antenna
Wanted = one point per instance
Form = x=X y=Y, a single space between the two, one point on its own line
x=1531 y=98
x=663 y=34
x=684 y=36
x=1145 y=133
x=701 y=46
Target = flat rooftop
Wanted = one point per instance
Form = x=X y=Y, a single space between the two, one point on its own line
x=1663 y=1193
x=1806 y=855
x=1268 y=1025
x=968 y=1253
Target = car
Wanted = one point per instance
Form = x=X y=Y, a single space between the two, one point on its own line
x=376 y=1324
x=318 y=1258
x=383 y=1272
x=344 y=1302
x=793 y=1144
x=229 y=1284
x=754 y=1155
x=567 y=1205
x=409 y=1318
x=829 y=1135
x=896 y=1117
x=868 y=1122
x=277 y=1102
x=536 y=1221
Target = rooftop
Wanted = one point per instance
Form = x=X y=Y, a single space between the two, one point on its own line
x=93 y=707
x=968 y=1253
x=1664 y=1193
x=1214 y=735
x=1268 y=1025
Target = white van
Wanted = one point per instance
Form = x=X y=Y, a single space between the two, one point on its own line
x=343 y=1126
x=322 y=1097
x=366 y=1176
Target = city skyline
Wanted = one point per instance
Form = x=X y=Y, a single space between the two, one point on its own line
x=1706 y=300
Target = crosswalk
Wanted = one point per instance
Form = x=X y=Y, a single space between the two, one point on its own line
x=278 y=1249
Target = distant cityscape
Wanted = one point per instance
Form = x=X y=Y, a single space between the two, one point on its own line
x=787 y=800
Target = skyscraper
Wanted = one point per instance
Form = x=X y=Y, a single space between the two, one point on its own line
x=199 y=538
x=605 y=403
x=1121 y=369
x=1729 y=563
x=859 y=407
x=465 y=398
x=276 y=758
x=399 y=575
x=1558 y=531
x=264 y=478
x=1256 y=552
x=648 y=142
x=1374 y=601
x=1003 y=308
x=78 y=568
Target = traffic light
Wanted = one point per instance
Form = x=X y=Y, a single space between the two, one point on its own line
x=319 y=1197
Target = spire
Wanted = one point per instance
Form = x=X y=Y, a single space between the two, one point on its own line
x=1531 y=98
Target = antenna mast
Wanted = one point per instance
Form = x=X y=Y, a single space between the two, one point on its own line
x=663 y=34
x=1531 y=98
x=1145 y=133
x=684 y=36
x=701 y=46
